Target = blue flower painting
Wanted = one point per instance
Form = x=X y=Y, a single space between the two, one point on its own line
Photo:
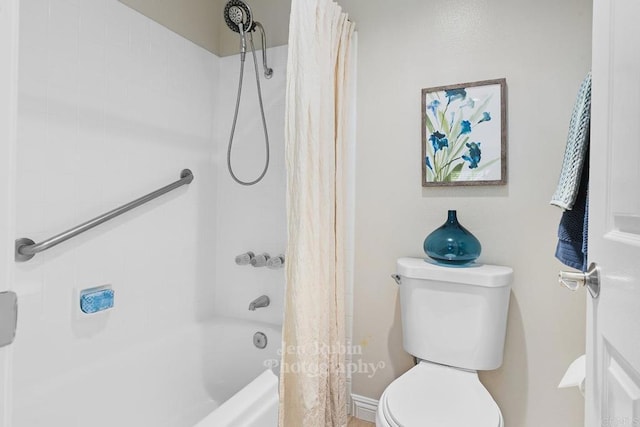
x=462 y=135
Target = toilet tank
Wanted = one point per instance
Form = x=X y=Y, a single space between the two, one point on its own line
x=454 y=316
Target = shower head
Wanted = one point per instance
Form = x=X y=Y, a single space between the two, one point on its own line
x=237 y=15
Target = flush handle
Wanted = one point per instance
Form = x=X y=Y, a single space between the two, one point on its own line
x=396 y=277
x=575 y=280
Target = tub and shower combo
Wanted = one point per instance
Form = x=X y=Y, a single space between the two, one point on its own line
x=141 y=316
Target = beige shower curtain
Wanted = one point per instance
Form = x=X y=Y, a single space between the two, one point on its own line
x=319 y=76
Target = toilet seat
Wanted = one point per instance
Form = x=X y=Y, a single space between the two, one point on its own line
x=439 y=396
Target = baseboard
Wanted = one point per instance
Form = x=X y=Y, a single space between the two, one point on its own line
x=364 y=408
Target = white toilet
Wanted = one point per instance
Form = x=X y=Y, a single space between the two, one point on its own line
x=454 y=321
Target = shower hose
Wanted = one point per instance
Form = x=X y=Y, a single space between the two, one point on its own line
x=235 y=119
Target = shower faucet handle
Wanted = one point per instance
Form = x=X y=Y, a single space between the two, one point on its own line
x=245 y=258
x=260 y=260
x=276 y=262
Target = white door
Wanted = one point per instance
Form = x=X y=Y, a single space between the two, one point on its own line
x=613 y=319
x=8 y=107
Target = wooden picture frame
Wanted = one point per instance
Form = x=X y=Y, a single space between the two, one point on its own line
x=464 y=134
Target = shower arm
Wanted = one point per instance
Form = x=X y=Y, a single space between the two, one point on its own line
x=268 y=72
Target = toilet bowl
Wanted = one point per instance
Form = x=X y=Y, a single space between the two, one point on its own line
x=432 y=395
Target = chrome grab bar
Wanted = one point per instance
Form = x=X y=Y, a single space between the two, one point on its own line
x=26 y=248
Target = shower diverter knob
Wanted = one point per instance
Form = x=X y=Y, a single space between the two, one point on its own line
x=260 y=260
x=276 y=262
x=245 y=258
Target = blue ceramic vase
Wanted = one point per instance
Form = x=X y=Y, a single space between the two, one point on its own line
x=452 y=244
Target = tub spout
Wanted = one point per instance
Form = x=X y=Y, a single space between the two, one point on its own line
x=261 y=301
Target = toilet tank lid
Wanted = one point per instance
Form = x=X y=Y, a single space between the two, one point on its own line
x=491 y=276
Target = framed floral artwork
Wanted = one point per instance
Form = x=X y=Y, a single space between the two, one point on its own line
x=464 y=136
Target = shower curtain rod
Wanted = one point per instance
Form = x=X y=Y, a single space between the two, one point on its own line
x=27 y=248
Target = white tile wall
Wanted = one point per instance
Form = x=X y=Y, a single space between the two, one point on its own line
x=111 y=107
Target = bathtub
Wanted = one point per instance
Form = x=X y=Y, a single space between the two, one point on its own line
x=240 y=376
x=184 y=377
x=256 y=405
